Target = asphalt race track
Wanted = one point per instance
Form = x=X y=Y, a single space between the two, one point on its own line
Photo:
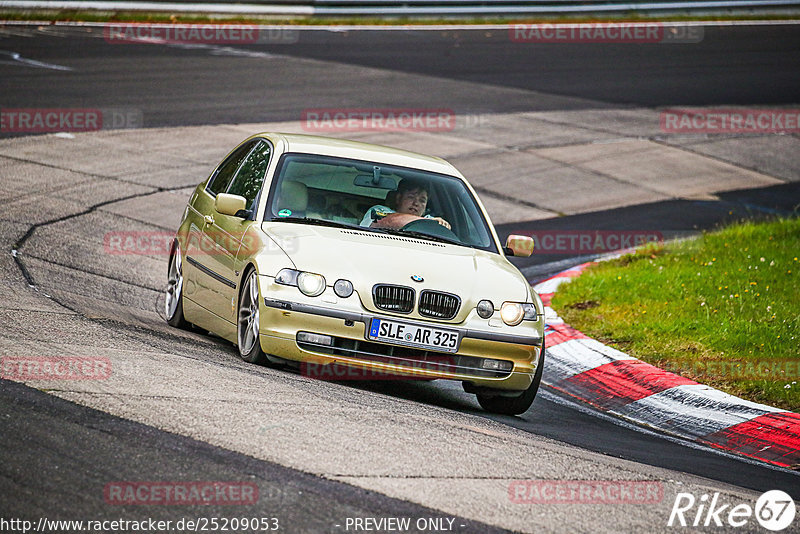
x=576 y=124
x=190 y=84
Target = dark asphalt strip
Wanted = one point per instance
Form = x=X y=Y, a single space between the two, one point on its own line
x=648 y=447
x=567 y=420
x=670 y=218
x=732 y=65
x=50 y=450
x=173 y=86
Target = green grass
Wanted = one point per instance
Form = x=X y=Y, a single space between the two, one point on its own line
x=722 y=309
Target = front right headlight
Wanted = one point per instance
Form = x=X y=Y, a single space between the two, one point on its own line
x=287 y=277
x=311 y=284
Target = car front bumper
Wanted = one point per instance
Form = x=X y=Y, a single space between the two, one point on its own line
x=282 y=319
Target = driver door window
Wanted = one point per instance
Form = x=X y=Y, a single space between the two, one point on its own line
x=222 y=178
x=250 y=177
x=228 y=231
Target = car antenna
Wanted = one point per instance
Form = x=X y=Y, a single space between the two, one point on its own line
x=376 y=175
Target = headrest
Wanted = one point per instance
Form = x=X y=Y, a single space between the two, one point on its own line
x=293 y=196
x=391 y=196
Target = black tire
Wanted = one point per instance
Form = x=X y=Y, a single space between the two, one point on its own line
x=247 y=320
x=173 y=300
x=514 y=405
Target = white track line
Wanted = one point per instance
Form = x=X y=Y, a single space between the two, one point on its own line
x=16 y=59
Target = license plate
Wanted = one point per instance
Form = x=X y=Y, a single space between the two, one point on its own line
x=413 y=335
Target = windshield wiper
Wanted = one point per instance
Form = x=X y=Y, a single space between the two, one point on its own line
x=394 y=231
x=318 y=222
x=423 y=235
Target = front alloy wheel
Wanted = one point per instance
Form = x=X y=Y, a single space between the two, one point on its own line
x=173 y=301
x=248 y=322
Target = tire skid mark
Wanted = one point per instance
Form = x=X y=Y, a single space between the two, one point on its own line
x=93 y=273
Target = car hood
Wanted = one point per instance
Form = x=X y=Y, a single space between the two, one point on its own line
x=369 y=258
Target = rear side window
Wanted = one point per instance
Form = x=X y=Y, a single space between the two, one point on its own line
x=250 y=177
x=222 y=177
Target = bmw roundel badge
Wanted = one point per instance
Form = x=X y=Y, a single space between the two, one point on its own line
x=417 y=278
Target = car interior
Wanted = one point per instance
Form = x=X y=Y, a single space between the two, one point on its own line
x=339 y=192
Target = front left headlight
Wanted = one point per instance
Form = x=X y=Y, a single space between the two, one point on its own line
x=514 y=313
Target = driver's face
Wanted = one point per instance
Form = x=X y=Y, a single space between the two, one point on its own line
x=413 y=202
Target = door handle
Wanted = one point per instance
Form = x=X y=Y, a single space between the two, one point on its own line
x=209 y=220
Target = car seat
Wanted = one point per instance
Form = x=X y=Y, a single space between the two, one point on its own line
x=294 y=198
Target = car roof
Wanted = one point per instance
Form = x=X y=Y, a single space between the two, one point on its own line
x=314 y=144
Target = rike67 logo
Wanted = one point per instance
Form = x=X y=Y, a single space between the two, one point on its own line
x=774 y=510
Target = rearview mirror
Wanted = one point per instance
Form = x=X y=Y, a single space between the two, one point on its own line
x=519 y=246
x=229 y=204
x=383 y=182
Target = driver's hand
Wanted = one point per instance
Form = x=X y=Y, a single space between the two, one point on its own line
x=442 y=222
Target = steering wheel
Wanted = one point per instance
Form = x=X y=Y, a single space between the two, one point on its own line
x=430 y=227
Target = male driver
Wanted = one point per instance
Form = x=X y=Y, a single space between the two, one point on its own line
x=407 y=205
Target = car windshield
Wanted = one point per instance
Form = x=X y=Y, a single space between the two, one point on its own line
x=316 y=189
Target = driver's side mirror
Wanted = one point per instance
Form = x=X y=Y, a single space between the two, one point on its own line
x=230 y=204
x=519 y=246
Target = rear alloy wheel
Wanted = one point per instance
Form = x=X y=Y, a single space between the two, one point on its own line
x=173 y=301
x=514 y=405
x=248 y=321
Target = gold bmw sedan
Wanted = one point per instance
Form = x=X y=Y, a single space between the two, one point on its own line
x=355 y=261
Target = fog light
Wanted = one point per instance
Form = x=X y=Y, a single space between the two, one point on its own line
x=485 y=309
x=497 y=365
x=343 y=288
x=311 y=284
x=316 y=339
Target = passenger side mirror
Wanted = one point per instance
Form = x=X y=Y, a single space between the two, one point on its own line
x=519 y=246
x=230 y=204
